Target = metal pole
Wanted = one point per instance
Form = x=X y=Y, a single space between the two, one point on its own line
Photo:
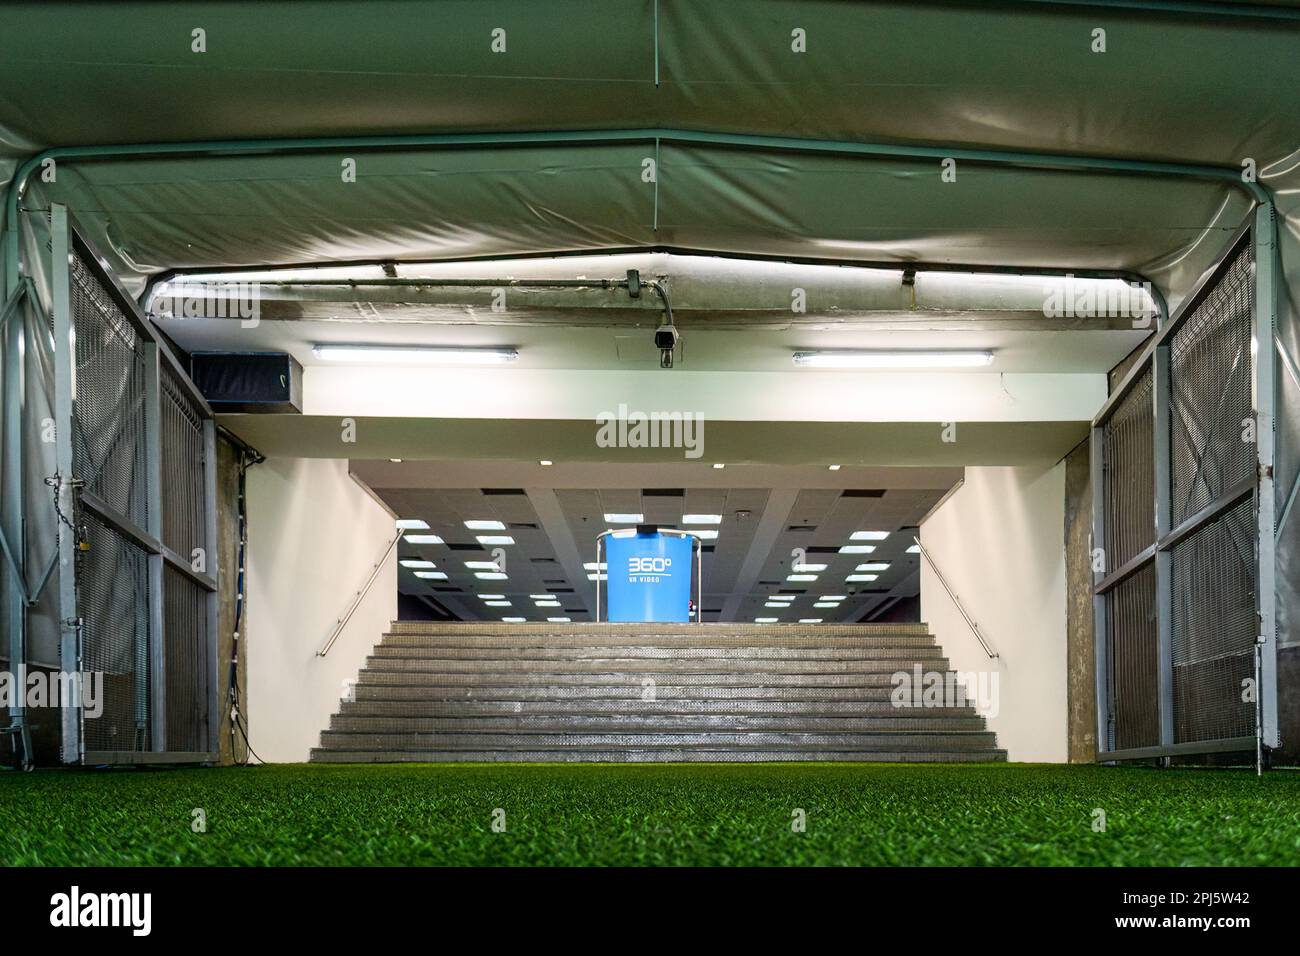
x=12 y=327
x=1263 y=399
x=151 y=647
x=64 y=392
x=213 y=565
x=1161 y=392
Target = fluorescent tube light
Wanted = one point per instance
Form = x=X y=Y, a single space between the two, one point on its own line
x=869 y=536
x=491 y=575
x=494 y=539
x=704 y=534
x=414 y=355
x=622 y=518
x=482 y=525
x=432 y=575
x=914 y=549
x=857 y=549
x=407 y=524
x=766 y=620
x=852 y=358
x=873 y=566
x=860 y=578
x=497 y=603
x=547 y=603
x=801 y=577
x=423 y=538
x=810 y=620
x=701 y=519
x=493 y=597
x=414 y=563
x=808 y=567
x=827 y=604
x=513 y=620
x=831 y=597
x=559 y=620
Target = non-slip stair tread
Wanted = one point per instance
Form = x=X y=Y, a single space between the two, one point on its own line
x=661 y=755
x=423 y=707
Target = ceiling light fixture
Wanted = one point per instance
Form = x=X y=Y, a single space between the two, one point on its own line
x=832 y=467
x=546 y=463
x=479 y=524
x=414 y=355
x=869 y=536
x=491 y=575
x=422 y=538
x=801 y=577
x=494 y=539
x=432 y=575
x=857 y=549
x=853 y=358
x=412 y=524
x=701 y=519
x=414 y=563
x=861 y=578
x=621 y=517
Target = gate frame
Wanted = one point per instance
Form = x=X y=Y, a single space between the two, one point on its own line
x=67 y=239
x=1260 y=229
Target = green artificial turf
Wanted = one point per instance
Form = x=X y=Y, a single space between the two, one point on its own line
x=721 y=814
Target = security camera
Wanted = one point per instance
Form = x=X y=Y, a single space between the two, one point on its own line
x=666 y=337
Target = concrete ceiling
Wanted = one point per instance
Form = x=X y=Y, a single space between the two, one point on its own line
x=771 y=517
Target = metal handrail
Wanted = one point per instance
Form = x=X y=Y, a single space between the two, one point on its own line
x=356 y=601
x=699 y=569
x=970 y=621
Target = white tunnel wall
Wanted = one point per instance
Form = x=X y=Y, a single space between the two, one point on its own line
x=314 y=535
x=999 y=541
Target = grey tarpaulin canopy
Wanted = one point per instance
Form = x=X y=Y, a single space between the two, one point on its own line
x=1128 y=160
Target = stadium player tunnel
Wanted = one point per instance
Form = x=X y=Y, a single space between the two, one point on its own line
x=1039 y=362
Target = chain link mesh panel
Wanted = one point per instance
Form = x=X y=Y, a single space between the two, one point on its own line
x=1130 y=475
x=1210 y=384
x=185 y=626
x=108 y=434
x=1131 y=638
x=113 y=597
x=1214 y=628
x=183 y=524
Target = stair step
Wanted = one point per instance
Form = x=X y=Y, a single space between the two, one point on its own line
x=425 y=706
x=438 y=651
x=659 y=723
x=654 y=755
x=592 y=633
x=674 y=641
x=616 y=683
x=632 y=665
x=898 y=740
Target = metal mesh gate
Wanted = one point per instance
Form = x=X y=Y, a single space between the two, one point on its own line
x=1176 y=458
x=135 y=489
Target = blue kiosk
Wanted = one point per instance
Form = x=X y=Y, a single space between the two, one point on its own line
x=649 y=575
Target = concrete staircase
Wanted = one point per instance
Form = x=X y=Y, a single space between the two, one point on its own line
x=647 y=692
